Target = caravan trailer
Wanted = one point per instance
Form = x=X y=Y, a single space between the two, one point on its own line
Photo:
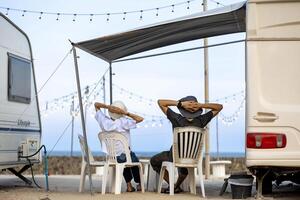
x=20 y=123
x=273 y=91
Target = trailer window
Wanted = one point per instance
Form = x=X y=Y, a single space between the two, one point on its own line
x=19 y=79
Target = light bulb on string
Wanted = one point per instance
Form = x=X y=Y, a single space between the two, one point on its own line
x=107 y=17
x=141 y=15
x=157 y=12
x=172 y=8
x=24 y=11
x=124 y=15
x=41 y=13
x=234 y=99
x=7 y=10
x=153 y=124
x=188 y=6
x=91 y=17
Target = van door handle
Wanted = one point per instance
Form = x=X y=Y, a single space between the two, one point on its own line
x=265 y=117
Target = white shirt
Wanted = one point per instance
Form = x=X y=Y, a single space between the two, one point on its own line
x=121 y=125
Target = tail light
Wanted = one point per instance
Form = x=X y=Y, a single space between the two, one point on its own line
x=266 y=140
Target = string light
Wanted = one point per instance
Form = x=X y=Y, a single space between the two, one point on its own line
x=57 y=18
x=218 y=3
x=141 y=15
x=91 y=15
x=229 y=120
x=41 y=13
x=74 y=17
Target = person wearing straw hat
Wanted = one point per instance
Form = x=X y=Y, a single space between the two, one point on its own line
x=122 y=121
x=190 y=115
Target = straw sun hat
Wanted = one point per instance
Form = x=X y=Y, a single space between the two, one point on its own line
x=118 y=104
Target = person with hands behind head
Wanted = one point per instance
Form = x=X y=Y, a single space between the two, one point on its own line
x=122 y=121
x=190 y=115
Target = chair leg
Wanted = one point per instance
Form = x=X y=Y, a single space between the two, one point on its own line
x=171 y=171
x=201 y=179
x=146 y=174
x=82 y=176
x=161 y=178
x=118 y=180
x=142 y=178
x=112 y=179
x=104 y=178
x=191 y=179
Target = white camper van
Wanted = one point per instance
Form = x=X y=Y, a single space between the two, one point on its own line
x=273 y=91
x=20 y=124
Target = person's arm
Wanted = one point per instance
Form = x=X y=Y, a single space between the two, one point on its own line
x=215 y=107
x=135 y=117
x=165 y=103
x=117 y=110
x=100 y=105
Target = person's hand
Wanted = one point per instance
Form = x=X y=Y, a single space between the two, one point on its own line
x=190 y=106
x=116 y=110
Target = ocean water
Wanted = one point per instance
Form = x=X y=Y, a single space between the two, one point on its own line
x=145 y=154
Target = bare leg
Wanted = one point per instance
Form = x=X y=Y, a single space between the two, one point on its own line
x=180 y=179
x=166 y=176
x=129 y=187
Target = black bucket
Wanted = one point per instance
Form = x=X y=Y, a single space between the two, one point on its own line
x=241 y=186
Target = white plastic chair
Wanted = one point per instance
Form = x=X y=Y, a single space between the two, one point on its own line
x=111 y=139
x=188 y=153
x=84 y=162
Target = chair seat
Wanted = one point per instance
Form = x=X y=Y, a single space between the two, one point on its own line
x=97 y=163
x=125 y=164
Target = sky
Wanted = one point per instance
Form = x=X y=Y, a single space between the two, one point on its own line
x=170 y=77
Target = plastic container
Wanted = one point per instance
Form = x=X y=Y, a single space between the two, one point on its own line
x=241 y=186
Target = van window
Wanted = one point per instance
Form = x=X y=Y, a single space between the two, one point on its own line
x=19 y=79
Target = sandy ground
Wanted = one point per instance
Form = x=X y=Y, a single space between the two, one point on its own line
x=65 y=187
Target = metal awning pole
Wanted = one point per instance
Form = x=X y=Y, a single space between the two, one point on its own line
x=82 y=117
x=110 y=83
x=206 y=97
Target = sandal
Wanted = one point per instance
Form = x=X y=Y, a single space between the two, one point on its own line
x=178 y=190
x=132 y=190
x=167 y=190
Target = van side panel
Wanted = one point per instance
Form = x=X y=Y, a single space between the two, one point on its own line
x=19 y=122
x=273 y=79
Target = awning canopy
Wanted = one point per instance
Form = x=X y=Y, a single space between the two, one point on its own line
x=221 y=21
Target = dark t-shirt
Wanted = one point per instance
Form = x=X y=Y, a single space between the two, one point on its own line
x=178 y=120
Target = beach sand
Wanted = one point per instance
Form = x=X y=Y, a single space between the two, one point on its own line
x=65 y=187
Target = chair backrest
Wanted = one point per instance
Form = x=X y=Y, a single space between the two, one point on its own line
x=83 y=152
x=188 y=145
x=113 y=140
